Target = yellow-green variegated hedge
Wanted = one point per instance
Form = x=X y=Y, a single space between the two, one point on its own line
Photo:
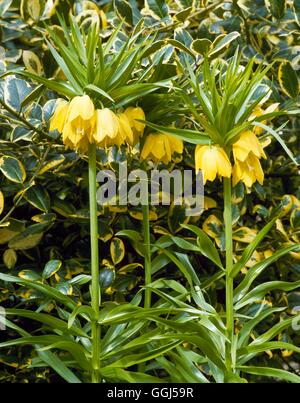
x=147 y=55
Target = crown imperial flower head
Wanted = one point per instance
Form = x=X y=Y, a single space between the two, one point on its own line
x=160 y=147
x=81 y=124
x=247 y=151
x=213 y=161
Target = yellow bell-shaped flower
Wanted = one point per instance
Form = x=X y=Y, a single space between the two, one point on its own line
x=248 y=142
x=107 y=131
x=176 y=144
x=134 y=114
x=75 y=138
x=212 y=161
x=79 y=123
x=125 y=131
x=248 y=171
x=160 y=147
x=58 y=119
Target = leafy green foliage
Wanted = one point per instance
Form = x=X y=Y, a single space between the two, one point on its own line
x=174 y=59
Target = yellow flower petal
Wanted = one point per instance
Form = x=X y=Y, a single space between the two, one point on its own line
x=107 y=128
x=212 y=161
x=134 y=114
x=148 y=146
x=248 y=142
x=223 y=163
x=72 y=134
x=81 y=110
x=175 y=144
x=259 y=112
x=168 y=150
x=125 y=129
x=160 y=147
x=259 y=173
x=248 y=171
x=59 y=117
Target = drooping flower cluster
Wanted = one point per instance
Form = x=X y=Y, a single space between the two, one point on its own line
x=160 y=147
x=81 y=124
x=247 y=151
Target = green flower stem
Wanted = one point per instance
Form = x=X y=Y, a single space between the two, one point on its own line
x=95 y=287
x=229 y=266
x=147 y=259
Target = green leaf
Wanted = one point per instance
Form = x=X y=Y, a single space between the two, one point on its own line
x=84 y=310
x=259 y=292
x=222 y=43
x=248 y=252
x=124 y=10
x=4 y=6
x=117 y=250
x=52 y=322
x=62 y=64
x=246 y=353
x=12 y=169
x=43 y=288
x=278 y=138
x=277 y=7
x=51 y=268
x=135 y=237
x=54 y=341
x=258 y=268
x=184 y=244
x=190 y=136
x=273 y=331
x=201 y=46
x=295 y=218
x=106 y=277
x=54 y=162
x=10 y=258
x=31 y=9
x=271 y=372
x=205 y=346
x=121 y=375
x=48 y=357
x=29 y=238
x=288 y=80
x=158 y=8
x=29 y=275
x=32 y=62
x=206 y=246
x=98 y=91
x=180 y=46
x=36 y=93
x=59 y=86
x=54 y=362
x=134 y=359
x=15 y=91
x=247 y=328
x=38 y=197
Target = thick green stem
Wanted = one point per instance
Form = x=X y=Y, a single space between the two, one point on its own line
x=147 y=260
x=95 y=287
x=229 y=266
